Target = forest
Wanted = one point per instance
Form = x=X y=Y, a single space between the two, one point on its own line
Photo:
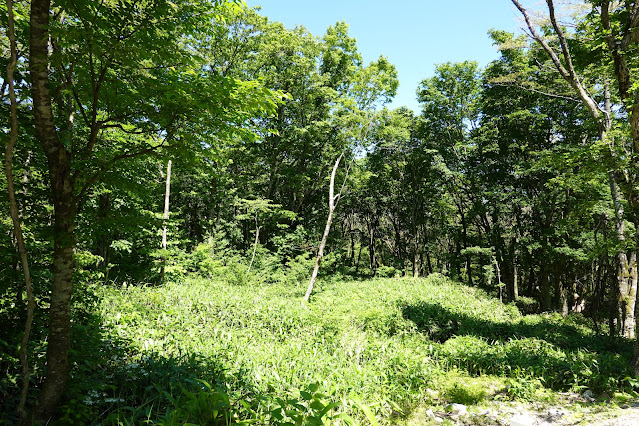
x=210 y=218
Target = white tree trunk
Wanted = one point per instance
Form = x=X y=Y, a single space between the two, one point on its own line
x=332 y=203
x=165 y=217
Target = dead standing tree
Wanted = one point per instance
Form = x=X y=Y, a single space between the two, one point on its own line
x=332 y=204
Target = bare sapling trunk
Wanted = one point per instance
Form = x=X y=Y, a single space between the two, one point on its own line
x=500 y=285
x=165 y=218
x=257 y=240
x=15 y=217
x=332 y=204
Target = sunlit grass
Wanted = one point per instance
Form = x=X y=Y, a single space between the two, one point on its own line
x=378 y=347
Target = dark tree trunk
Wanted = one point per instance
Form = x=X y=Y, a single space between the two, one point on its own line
x=59 y=161
x=428 y=262
x=469 y=271
x=545 y=302
x=371 y=249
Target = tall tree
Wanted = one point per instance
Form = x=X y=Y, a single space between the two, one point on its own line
x=624 y=17
x=130 y=71
x=450 y=112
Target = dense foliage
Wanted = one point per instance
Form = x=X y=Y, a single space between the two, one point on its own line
x=210 y=350
x=504 y=181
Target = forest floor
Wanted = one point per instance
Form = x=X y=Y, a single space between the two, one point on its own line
x=394 y=351
x=572 y=411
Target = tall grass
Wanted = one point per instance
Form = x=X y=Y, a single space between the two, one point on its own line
x=210 y=352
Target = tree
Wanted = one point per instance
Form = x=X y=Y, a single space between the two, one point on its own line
x=616 y=24
x=125 y=69
x=450 y=112
x=14 y=211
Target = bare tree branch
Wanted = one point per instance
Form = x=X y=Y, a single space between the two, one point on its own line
x=569 y=73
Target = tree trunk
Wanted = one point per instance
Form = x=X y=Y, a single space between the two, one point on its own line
x=627 y=289
x=332 y=203
x=64 y=205
x=563 y=294
x=515 y=288
x=359 y=258
x=546 y=302
x=371 y=250
x=469 y=271
x=165 y=218
x=15 y=216
x=104 y=238
x=257 y=240
x=628 y=305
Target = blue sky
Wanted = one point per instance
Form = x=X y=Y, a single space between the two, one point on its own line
x=414 y=34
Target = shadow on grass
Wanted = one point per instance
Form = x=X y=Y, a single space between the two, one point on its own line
x=561 y=354
x=113 y=383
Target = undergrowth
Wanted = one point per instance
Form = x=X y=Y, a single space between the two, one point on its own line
x=205 y=351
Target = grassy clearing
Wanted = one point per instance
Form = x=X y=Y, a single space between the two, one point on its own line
x=208 y=352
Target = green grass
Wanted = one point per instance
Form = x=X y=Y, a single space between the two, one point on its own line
x=208 y=352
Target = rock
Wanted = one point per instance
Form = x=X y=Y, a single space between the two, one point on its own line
x=588 y=395
x=430 y=413
x=439 y=420
x=555 y=414
x=522 y=420
x=432 y=394
x=458 y=409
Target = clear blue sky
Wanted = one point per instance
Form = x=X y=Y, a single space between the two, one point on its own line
x=414 y=34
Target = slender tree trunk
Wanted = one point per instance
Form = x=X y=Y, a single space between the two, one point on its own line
x=628 y=303
x=257 y=240
x=350 y=251
x=546 y=302
x=428 y=262
x=64 y=204
x=104 y=238
x=415 y=259
x=469 y=271
x=15 y=216
x=165 y=218
x=371 y=250
x=515 y=288
x=332 y=203
x=500 y=285
x=359 y=258
x=563 y=294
